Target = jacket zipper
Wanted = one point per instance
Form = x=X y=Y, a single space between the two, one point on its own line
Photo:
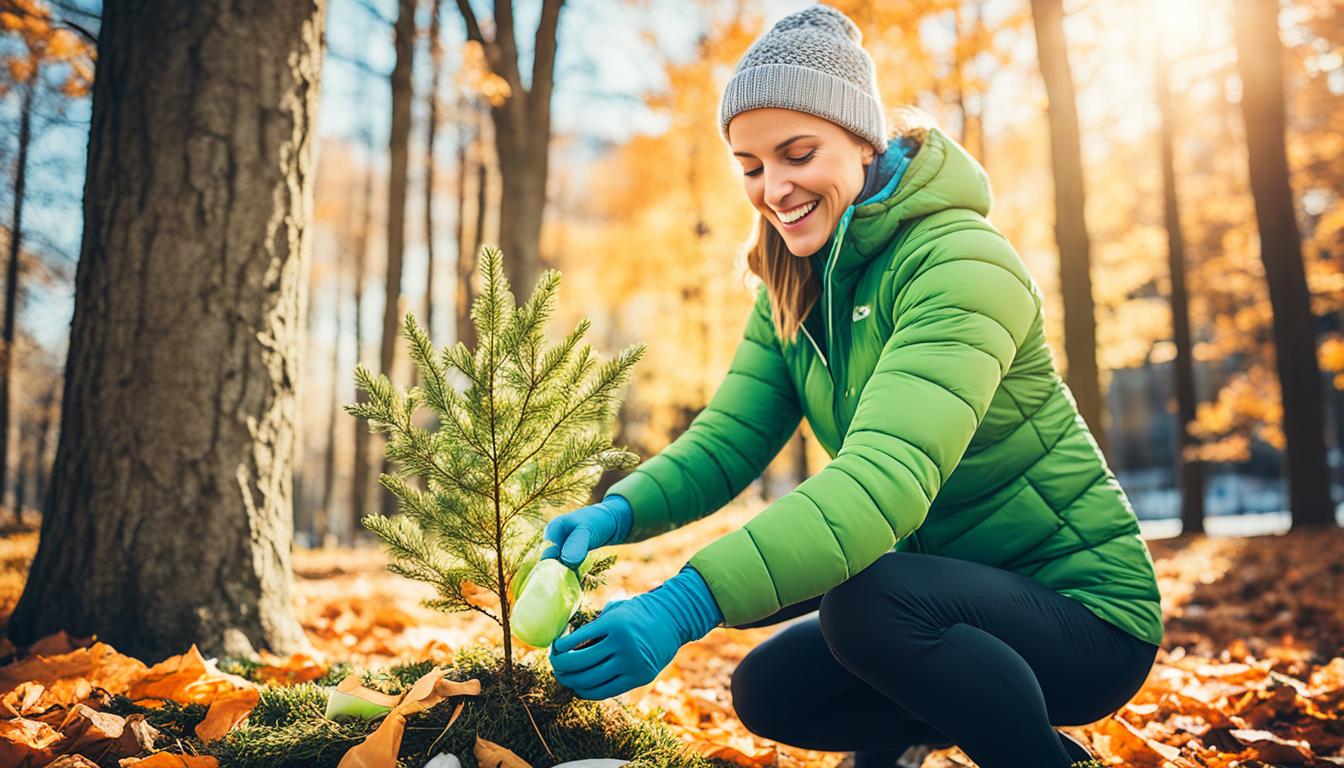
x=830 y=267
x=814 y=346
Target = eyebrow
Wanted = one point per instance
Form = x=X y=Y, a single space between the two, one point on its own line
x=781 y=144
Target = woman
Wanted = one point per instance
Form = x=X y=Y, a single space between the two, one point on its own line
x=976 y=570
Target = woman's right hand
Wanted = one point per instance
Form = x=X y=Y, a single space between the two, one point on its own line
x=573 y=534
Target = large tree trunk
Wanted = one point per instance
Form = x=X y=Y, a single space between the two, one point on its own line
x=1260 y=63
x=168 y=521
x=1075 y=278
x=12 y=280
x=398 y=165
x=522 y=135
x=1191 y=469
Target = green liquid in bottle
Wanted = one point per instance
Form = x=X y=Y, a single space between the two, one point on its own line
x=549 y=599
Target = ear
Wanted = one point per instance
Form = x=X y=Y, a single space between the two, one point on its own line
x=867 y=152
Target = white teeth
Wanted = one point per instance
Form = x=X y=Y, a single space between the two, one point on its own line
x=797 y=213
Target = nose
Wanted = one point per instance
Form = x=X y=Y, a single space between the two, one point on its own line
x=778 y=186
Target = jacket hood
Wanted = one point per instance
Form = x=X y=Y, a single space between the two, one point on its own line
x=941 y=175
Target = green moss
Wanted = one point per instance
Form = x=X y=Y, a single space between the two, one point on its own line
x=287 y=729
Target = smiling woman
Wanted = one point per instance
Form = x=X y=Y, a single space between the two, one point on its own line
x=976 y=572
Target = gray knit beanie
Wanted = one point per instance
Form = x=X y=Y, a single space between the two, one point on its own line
x=810 y=61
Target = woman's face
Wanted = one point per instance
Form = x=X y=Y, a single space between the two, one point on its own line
x=800 y=171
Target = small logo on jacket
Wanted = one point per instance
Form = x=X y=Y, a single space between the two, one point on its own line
x=861 y=311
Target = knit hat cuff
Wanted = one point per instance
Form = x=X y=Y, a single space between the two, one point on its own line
x=804 y=89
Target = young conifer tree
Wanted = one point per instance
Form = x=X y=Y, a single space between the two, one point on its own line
x=529 y=432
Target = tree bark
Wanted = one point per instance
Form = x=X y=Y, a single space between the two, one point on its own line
x=169 y=518
x=431 y=132
x=1075 y=279
x=322 y=517
x=12 y=277
x=1190 y=468
x=522 y=135
x=359 y=484
x=47 y=410
x=398 y=167
x=1260 y=63
x=464 y=289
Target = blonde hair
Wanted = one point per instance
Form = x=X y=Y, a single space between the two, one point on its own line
x=788 y=278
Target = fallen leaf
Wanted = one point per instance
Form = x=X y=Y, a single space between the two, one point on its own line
x=24 y=699
x=26 y=743
x=70 y=678
x=94 y=734
x=380 y=748
x=187 y=679
x=1269 y=748
x=167 y=760
x=292 y=670
x=351 y=685
x=491 y=755
x=758 y=759
x=226 y=711
x=58 y=643
x=72 y=761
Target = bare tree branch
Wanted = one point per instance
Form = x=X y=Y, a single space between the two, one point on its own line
x=543 y=56
x=469 y=17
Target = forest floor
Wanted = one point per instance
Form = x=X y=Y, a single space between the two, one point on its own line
x=1251 y=670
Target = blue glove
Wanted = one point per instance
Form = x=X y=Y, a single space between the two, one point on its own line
x=573 y=534
x=635 y=638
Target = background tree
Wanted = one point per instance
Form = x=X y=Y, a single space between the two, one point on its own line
x=1075 y=262
x=398 y=171
x=43 y=45
x=170 y=512
x=1260 y=59
x=1190 y=467
x=522 y=122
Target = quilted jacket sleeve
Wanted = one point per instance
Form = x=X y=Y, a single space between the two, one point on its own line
x=751 y=416
x=959 y=320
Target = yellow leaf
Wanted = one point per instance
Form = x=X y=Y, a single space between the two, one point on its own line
x=491 y=755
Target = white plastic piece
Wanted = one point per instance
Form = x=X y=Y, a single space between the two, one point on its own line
x=444 y=760
x=592 y=762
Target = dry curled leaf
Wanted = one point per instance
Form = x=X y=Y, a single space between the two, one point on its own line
x=26 y=743
x=70 y=678
x=226 y=711
x=167 y=760
x=381 y=747
x=187 y=679
x=491 y=755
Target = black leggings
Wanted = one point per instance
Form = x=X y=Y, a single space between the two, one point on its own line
x=920 y=649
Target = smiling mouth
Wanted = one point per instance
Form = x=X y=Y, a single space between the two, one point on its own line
x=798 y=222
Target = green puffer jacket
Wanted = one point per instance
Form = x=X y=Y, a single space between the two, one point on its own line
x=950 y=431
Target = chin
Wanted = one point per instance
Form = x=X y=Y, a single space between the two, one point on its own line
x=802 y=247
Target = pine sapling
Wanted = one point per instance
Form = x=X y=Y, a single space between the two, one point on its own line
x=523 y=428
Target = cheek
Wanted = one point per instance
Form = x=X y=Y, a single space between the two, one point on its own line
x=754 y=192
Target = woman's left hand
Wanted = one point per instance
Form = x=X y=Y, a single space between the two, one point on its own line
x=633 y=640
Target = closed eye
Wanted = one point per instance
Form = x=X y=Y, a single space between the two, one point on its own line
x=794 y=160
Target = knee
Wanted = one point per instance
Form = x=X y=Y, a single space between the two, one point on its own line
x=756 y=701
